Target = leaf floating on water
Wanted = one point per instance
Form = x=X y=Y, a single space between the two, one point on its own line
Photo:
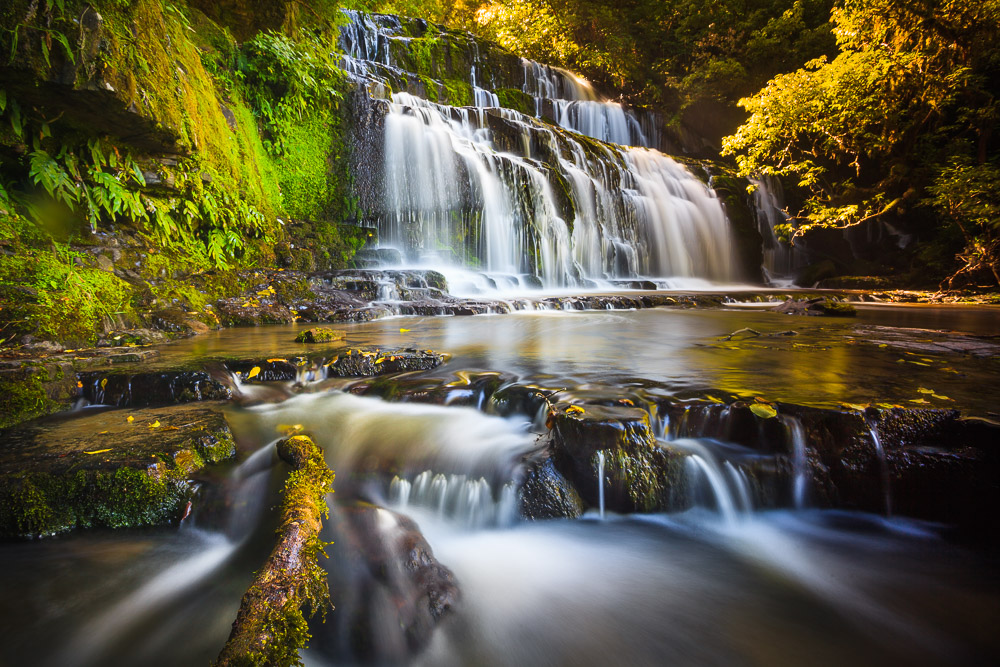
x=99 y=451
x=155 y=424
x=254 y=372
x=103 y=433
x=574 y=409
x=924 y=390
x=130 y=419
x=854 y=406
x=763 y=410
x=883 y=345
x=885 y=406
x=919 y=401
x=714 y=399
x=401 y=330
x=941 y=398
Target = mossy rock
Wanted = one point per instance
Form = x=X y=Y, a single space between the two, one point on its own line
x=319 y=335
x=103 y=470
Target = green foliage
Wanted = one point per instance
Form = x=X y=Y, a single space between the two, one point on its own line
x=906 y=108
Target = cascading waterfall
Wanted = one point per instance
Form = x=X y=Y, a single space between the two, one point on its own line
x=515 y=195
x=634 y=212
x=800 y=463
x=600 y=481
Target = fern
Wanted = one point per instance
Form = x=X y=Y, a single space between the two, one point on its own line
x=48 y=173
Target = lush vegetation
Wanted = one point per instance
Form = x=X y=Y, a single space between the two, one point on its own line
x=190 y=159
x=899 y=127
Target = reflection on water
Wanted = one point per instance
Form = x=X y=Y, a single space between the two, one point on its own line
x=828 y=362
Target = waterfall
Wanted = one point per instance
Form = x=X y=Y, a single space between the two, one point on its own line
x=566 y=197
x=725 y=482
x=538 y=201
x=469 y=501
x=883 y=467
x=780 y=259
x=800 y=463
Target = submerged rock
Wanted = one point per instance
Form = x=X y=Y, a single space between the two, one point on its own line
x=398 y=592
x=112 y=468
x=319 y=335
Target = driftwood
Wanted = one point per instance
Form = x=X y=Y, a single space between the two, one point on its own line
x=270 y=627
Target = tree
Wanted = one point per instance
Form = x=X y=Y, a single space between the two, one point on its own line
x=870 y=134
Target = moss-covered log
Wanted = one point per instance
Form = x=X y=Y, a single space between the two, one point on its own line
x=270 y=627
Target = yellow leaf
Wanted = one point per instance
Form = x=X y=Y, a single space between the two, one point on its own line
x=574 y=409
x=392 y=358
x=919 y=401
x=271 y=361
x=941 y=398
x=104 y=383
x=885 y=406
x=854 y=406
x=98 y=451
x=130 y=419
x=333 y=361
x=79 y=385
x=103 y=433
x=763 y=410
x=379 y=360
x=245 y=305
x=714 y=399
x=403 y=330
x=155 y=424
x=289 y=429
x=925 y=391
x=254 y=372
x=883 y=345
x=919 y=363
x=626 y=401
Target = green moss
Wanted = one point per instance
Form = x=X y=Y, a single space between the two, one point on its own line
x=40 y=503
x=304 y=172
x=25 y=398
x=458 y=93
x=515 y=99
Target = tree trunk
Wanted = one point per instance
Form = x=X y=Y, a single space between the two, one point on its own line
x=270 y=627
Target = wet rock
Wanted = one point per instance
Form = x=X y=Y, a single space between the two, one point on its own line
x=817 y=306
x=520 y=399
x=101 y=469
x=124 y=389
x=366 y=362
x=242 y=312
x=178 y=321
x=132 y=337
x=638 y=476
x=389 y=590
x=546 y=494
x=319 y=335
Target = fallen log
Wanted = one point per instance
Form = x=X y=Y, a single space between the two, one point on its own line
x=270 y=627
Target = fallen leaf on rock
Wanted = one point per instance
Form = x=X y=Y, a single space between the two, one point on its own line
x=254 y=372
x=271 y=361
x=763 y=410
x=104 y=383
x=574 y=409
